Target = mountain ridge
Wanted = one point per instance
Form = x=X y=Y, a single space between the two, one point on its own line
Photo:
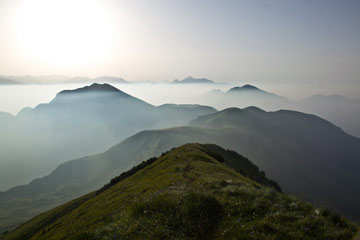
x=287 y=145
x=245 y=87
x=188 y=192
x=342 y=111
x=95 y=87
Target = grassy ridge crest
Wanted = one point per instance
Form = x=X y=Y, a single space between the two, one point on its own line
x=187 y=193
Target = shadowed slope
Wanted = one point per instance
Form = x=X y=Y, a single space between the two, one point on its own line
x=306 y=155
x=187 y=193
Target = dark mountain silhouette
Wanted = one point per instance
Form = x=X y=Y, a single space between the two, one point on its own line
x=190 y=79
x=246 y=87
x=339 y=110
x=306 y=155
x=192 y=192
x=96 y=87
x=75 y=123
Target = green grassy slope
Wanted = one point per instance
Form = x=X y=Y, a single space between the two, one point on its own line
x=306 y=155
x=187 y=193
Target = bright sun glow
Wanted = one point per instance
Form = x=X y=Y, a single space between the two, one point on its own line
x=65 y=32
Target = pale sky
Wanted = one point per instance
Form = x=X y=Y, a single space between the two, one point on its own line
x=301 y=42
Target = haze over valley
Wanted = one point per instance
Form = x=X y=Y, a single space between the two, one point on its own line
x=179 y=120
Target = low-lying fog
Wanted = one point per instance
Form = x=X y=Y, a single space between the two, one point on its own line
x=13 y=98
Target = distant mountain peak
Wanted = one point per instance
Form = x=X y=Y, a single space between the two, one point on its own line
x=94 y=90
x=190 y=79
x=254 y=109
x=235 y=110
x=232 y=110
x=95 y=87
x=246 y=87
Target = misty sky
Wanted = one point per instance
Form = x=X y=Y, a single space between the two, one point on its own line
x=300 y=42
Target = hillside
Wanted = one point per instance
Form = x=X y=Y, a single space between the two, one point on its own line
x=187 y=193
x=341 y=111
x=305 y=154
x=78 y=122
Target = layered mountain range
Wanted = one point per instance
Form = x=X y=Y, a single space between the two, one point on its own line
x=306 y=155
x=339 y=110
x=76 y=123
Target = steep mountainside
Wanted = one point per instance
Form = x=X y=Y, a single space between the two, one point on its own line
x=75 y=123
x=306 y=155
x=191 y=192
